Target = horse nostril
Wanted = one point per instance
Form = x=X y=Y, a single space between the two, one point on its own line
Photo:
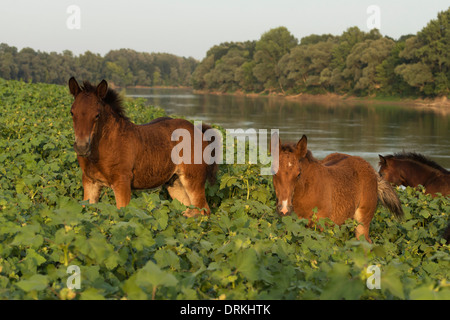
x=283 y=211
x=279 y=209
x=82 y=150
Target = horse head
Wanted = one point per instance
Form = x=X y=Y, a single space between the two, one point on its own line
x=86 y=112
x=389 y=172
x=287 y=171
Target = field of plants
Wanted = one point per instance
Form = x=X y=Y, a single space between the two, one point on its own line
x=148 y=250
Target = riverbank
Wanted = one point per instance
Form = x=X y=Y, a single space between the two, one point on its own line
x=441 y=104
x=326 y=98
x=116 y=87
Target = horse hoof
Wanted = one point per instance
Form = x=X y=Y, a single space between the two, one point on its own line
x=189 y=213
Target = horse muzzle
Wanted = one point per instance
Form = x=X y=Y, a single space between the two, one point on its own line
x=284 y=210
x=82 y=149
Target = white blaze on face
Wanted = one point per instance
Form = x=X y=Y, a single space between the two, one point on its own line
x=284 y=206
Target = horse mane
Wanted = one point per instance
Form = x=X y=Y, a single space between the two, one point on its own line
x=288 y=148
x=292 y=147
x=418 y=158
x=112 y=99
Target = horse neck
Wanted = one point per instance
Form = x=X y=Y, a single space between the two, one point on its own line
x=414 y=173
x=113 y=121
x=311 y=169
x=110 y=128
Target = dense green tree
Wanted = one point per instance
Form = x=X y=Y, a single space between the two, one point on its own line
x=316 y=38
x=156 y=77
x=198 y=77
x=245 y=78
x=91 y=66
x=339 y=78
x=302 y=67
x=124 y=67
x=227 y=66
x=427 y=58
x=8 y=67
x=355 y=62
x=390 y=82
x=362 y=62
x=416 y=74
x=271 y=47
x=117 y=74
x=345 y=44
x=223 y=76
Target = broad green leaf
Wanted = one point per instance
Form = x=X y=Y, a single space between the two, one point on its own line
x=342 y=285
x=152 y=276
x=133 y=290
x=391 y=282
x=167 y=258
x=37 y=258
x=36 y=282
x=92 y=294
x=246 y=262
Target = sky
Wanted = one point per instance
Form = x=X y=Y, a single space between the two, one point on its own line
x=190 y=28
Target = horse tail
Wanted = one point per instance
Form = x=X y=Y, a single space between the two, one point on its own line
x=388 y=198
x=212 y=168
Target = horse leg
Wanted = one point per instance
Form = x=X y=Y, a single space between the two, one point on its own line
x=177 y=191
x=195 y=190
x=368 y=201
x=91 y=190
x=363 y=216
x=122 y=192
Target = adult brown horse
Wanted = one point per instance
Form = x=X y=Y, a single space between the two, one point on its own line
x=114 y=152
x=338 y=187
x=411 y=169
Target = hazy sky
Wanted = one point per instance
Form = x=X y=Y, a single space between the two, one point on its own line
x=191 y=27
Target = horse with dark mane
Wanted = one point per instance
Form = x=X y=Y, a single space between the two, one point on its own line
x=411 y=169
x=114 y=152
x=338 y=187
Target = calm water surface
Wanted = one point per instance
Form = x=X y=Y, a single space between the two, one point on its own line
x=365 y=130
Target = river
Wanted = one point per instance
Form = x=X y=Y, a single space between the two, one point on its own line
x=362 y=129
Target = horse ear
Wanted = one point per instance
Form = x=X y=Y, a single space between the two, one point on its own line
x=74 y=87
x=382 y=159
x=102 y=89
x=302 y=147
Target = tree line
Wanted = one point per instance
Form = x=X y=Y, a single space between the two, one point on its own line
x=356 y=62
x=124 y=67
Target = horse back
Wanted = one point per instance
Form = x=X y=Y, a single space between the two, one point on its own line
x=160 y=119
x=154 y=151
x=439 y=184
x=347 y=169
x=333 y=159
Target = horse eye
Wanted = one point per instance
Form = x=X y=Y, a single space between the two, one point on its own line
x=71 y=113
x=97 y=116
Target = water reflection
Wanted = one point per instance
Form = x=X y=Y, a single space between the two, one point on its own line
x=362 y=129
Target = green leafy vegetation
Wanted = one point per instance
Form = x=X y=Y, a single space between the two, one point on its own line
x=356 y=63
x=148 y=250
